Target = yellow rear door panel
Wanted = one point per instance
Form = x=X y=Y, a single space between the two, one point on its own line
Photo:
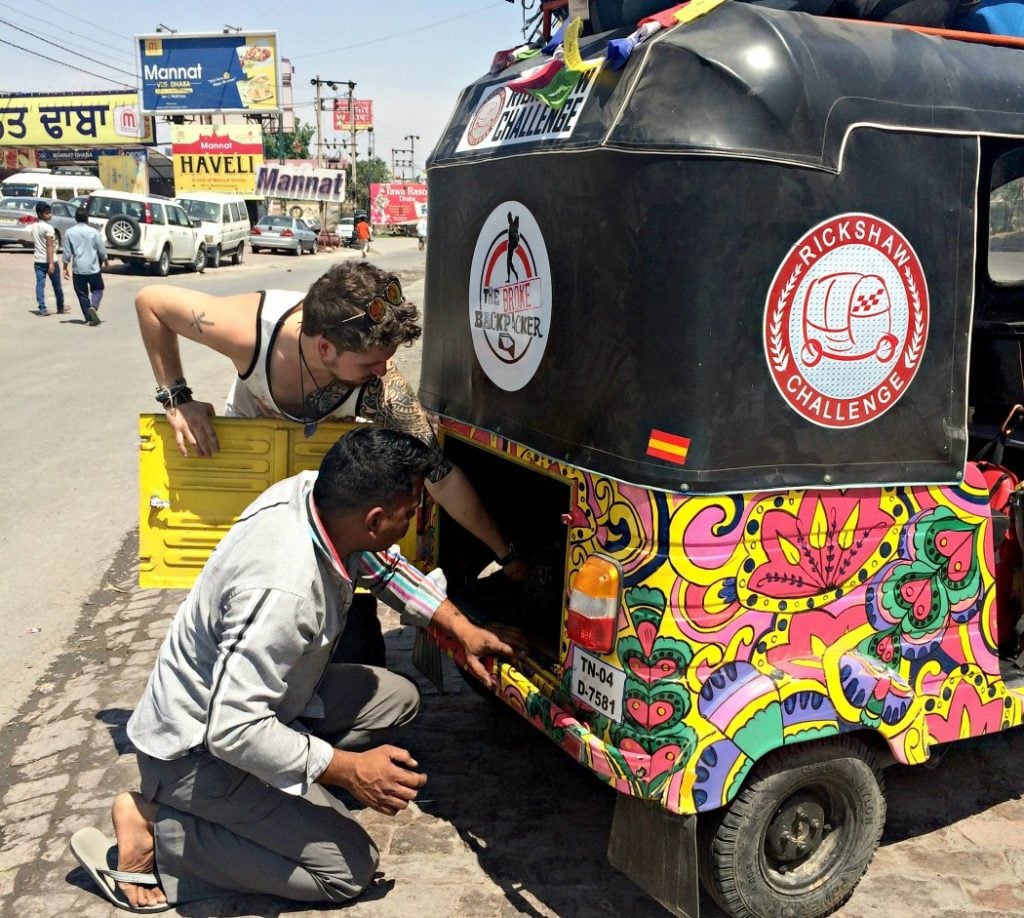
x=186 y=505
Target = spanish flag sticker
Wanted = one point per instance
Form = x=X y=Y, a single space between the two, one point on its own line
x=670 y=447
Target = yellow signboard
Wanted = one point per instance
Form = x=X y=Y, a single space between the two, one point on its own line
x=124 y=173
x=221 y=157
x=106 y=119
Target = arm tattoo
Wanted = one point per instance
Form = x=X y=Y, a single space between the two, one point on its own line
x=390 y=401
x=199 y=320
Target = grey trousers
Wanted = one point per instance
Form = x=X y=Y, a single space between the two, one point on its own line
x=220 y=829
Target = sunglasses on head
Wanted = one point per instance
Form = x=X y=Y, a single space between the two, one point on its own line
x=376 y=308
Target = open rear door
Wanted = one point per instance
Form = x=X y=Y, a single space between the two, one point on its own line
x=186 y=505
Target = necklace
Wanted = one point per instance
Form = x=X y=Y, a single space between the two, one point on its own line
x=322 y=400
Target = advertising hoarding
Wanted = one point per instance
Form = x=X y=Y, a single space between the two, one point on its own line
x=397 y=202
x=300 y=183
x=196 y=73
x=97 y=119
x=220 y=157
x=363 y=110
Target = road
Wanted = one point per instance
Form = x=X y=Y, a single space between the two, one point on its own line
x=70 y=397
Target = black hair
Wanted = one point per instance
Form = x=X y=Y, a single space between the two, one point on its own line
x=82 y=215
x=371 y=467
x=342 y=293
x=41 y=208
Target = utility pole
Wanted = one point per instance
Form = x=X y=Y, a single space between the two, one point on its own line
x=403 y=164
x=317 y=83
x=352 y=126
x=412 y=138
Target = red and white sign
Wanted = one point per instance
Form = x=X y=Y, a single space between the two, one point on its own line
x=397 y=202
x=846 y=321
x=363 y=109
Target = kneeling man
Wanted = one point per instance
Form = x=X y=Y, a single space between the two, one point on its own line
x=245 y=720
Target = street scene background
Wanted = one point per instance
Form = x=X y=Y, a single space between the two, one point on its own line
x=507 y=824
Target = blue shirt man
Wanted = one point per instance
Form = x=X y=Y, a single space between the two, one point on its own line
x=84 y=244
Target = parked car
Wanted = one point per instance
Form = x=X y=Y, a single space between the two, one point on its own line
x=225 y=222
x=346 y=228
x=43 y=183
x=18 y=215
x=148 y=230
x=290 y=234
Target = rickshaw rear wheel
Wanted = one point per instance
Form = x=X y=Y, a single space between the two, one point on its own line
x=799 y=836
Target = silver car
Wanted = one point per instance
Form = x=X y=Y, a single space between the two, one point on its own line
x=18 y=215
x=288 y=233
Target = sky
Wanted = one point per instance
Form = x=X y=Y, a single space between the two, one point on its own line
x=410 y=57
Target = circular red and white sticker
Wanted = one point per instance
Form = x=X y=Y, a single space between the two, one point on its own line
x=846 y=321
x=510 y=296
x=485 y=117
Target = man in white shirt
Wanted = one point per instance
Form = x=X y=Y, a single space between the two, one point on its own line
x=44 y=244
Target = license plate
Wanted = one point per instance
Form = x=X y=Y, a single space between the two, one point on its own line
x=597 y=685
x=8 y=221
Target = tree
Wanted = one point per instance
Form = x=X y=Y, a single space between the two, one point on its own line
x=368 y=171
x=288 y=145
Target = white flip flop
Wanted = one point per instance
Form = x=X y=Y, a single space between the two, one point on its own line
x=91 y=849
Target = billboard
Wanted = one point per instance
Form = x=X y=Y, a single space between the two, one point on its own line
x=363 y=110
x=125 y=172
x=97 y=119
x=191 y=74
x=216 y=157
x=397 y=202
x=300 y=182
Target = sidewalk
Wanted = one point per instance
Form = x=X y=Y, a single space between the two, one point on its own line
x=506 y=826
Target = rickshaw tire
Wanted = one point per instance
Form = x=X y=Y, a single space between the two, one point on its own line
x=738 y=871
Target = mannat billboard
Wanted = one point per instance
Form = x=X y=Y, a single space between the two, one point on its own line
x=197 y=73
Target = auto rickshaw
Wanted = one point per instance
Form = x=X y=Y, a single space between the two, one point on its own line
x=730 y=343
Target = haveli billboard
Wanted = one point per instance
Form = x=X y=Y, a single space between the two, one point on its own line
x=97 y=119
x=216 y=157
x=196 y=73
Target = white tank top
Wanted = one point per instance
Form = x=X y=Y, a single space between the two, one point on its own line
x=250 y=395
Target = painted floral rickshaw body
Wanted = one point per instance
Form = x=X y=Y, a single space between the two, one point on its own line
x=719 y=310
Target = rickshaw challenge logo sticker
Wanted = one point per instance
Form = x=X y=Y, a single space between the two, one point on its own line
x=510 y=296
x=846 y=321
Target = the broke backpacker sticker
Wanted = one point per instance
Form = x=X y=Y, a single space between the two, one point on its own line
x=846 y=321
x=510 y=296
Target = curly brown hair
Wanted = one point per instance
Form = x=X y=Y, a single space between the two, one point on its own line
x=342 y=293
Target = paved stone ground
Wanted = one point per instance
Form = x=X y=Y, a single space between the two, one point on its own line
x=507 y=825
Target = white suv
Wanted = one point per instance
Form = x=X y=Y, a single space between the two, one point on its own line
x=148 y=229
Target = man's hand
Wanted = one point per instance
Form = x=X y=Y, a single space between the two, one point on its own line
x=383 y=779
x=516 y=570
x=192 y=428
x=67 y=273
x=479 y=642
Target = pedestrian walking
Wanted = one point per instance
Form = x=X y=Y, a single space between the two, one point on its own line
x=83 y=245
x=363 y=234
x=246 y=722
x=421 y=232
x=44 y=240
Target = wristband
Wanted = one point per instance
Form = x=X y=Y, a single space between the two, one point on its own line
x=172 y=396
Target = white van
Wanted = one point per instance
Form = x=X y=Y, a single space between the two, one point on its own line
x=44 y=183
x=225 y=222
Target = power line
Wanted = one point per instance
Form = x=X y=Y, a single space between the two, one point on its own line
x=49 y=21
x=51 y=8
x=374 y=41
x=69 y=50
x=65 y=64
